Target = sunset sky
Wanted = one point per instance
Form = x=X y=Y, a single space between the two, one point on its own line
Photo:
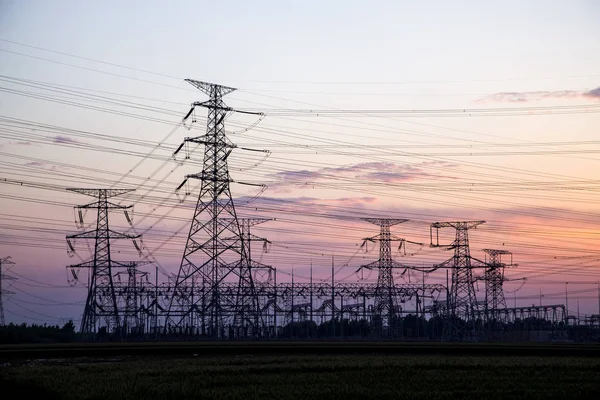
x=429 y=111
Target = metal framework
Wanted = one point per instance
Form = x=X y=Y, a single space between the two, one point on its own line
x=3 y=292
x=215 y=252
x=461 y=299
x=131 y=296
x=102 y=303
x=552 y=313
x=494 y=280
x=285 y=304
x=386 y=299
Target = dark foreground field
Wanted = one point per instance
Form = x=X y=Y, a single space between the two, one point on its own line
x=305 y=377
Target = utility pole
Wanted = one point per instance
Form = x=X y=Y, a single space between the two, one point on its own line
x=311 y=292
x=332 y=297
x=3 y=277
x=210 y=257
x=101 y=302
x=567 y=299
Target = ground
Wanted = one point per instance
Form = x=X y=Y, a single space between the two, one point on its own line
x=309 y=376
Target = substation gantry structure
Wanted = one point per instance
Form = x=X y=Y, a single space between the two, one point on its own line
x=219 y=291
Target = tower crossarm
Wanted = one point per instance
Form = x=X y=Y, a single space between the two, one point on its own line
x=94 y=235
x=106 y=205
x=457 y=224
x=210 y=140
x=114 y=264
x=369 y=266
x=392 y=238
x=206 y=176
x=385 y=221
x=211 y=89
x=495 y=252
x=96 y=192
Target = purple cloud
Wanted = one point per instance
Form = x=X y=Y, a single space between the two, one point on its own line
x=522 y=97
x=594 y=93
x=295 y=175
x=383 y=172
x=65 y=140
x=35 y=164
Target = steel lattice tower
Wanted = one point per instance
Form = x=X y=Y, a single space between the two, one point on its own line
x=210 y=256
x=385 y=295
x=4 y=261
x=101 y=302
x=462 y=301
x=247 y=307
x=494 y=280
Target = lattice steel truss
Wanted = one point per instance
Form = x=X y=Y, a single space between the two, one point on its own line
x=494 y=280
x=248 y=317
x=215 y=251
x=386 y=298
x=286 y=303
x=3 y=292
x=462 y=300
x=102 y=300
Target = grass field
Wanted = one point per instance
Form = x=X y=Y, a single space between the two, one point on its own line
x=224 y=348
x=308 y=377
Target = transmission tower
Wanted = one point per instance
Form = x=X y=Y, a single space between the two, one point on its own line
x=494 y=280
x=247 y=306
x=210 y=257
x=386 y=306
x=101 y=302
x=462 y=301
x=3 y=277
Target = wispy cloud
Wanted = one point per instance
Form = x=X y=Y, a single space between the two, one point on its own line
x=65 y=140
x=35 y=164
x=46 y=166
x=527 y=96
x=20 y=143
x=376 y=172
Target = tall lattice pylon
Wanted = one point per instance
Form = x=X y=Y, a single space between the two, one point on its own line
x=3 y=292
x=386 y=299
x=101 y=303
x=211 y=256
x=494 y=280
x=462 y=300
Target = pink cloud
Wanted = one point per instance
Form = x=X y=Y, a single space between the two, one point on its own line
x=527 y=96
x=376 y=172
